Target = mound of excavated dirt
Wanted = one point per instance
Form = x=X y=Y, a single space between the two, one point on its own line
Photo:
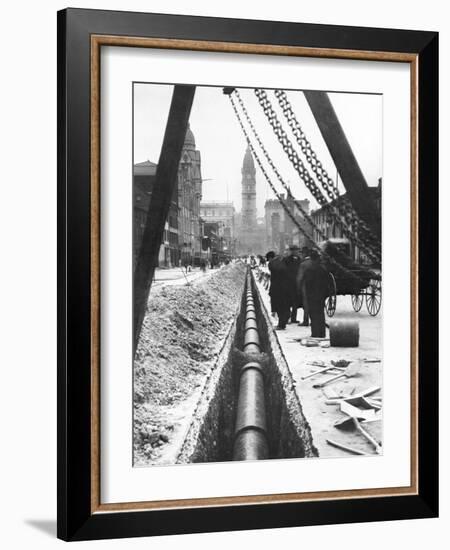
x=183 y=331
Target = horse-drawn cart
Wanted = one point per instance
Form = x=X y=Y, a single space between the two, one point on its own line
x=349 y=278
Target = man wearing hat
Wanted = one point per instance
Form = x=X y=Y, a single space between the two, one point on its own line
x=316 y=285
x=279 y=299
x=292 y=261
x=303 y=300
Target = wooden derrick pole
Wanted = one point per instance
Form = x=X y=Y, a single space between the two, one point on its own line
x=162 y=191
x=344 y=159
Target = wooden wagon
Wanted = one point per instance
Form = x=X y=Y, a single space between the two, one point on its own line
x=347 y=277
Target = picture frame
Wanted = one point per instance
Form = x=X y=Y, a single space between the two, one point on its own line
x=81 y=35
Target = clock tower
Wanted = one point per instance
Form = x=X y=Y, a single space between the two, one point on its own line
x=248 y=193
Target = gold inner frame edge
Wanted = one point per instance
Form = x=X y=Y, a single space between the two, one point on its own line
x=97 y=41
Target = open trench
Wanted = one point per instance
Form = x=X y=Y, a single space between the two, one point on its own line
x=211 y=434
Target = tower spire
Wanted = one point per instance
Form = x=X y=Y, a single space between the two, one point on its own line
x=248 y=192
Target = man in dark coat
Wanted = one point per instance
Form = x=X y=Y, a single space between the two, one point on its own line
x=279 y=298
x=316 y=284
x=303 y=300
x=292 y=262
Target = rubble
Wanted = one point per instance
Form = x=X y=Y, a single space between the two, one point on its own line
x=182 y=334
x=324 y=377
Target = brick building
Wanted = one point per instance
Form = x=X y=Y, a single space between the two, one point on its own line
x=144 y=174
x=189 y=197
x=222 y=214
x=331 y=228
x=280 y=230
x=182 y=236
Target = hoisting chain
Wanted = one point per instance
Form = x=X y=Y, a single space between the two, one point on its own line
x=327 y=183
x=304 y=213
x=305 y=175
x=275 y=169
x=280 y=198
x=322 y=175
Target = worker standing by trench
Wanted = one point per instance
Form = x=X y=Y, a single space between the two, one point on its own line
x=315 y=282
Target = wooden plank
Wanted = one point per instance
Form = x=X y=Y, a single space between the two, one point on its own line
x=345 y=447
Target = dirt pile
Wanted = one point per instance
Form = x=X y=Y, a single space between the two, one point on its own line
x=182 y=334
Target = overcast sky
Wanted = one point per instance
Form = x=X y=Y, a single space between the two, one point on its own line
x=222 y=144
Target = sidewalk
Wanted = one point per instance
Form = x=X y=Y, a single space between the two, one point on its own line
x=322 y=416
x=178 y=275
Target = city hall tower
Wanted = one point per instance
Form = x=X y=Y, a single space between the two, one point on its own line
x=248 y=192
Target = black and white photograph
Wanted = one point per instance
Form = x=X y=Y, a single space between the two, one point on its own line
x=257 y=274
x=223 y=297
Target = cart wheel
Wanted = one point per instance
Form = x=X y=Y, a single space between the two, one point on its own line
x=357 y=302
x=373 y=297
x=330 y=302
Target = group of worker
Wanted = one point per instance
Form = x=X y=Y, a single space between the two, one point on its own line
x=298 y=280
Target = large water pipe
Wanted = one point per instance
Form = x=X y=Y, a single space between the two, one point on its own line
x=250 y=434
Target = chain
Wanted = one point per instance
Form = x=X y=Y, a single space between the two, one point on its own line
x=287 y=147
x=280 y=198
x=322 y=175
x=360 y=225
x=275 y=169
x=316 y=166
x=306 y=177
x=348 y=226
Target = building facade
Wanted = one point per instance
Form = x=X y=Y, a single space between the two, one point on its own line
x=181 y=242
x=189 y=197
x=217 y=248
x=144 y=174
x=280 y=229
x=330 y=228
x=222 y=214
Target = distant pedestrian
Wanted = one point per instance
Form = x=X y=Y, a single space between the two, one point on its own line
x=316 y=284
x=279 y=298
x=292 y=262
